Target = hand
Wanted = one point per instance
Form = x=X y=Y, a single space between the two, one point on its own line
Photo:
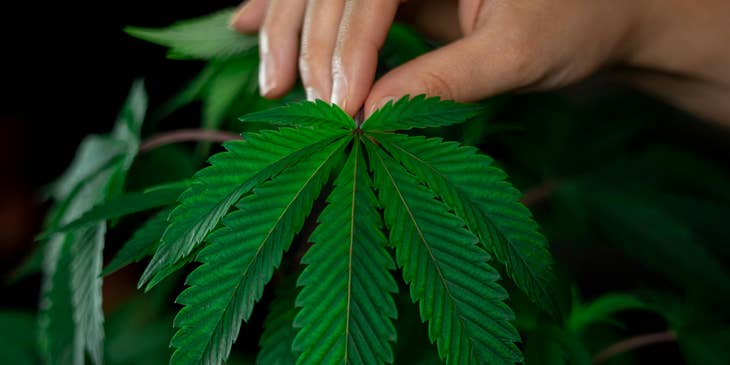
x=677 y=49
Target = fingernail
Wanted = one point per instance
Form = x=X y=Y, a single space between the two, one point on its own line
x=339 y=84
x=312 y=94
x=379 y=105
x=267 y=82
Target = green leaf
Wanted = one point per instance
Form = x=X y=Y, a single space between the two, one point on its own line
x=232 y=85
x=216 y=188
x=242 y=256
x=18 y=336
x=276 y=341
x=143 y=243
x=200 y=38
x=303 y=114
x=705 y=346
x=419 y=112
x=448 y=274
x=402 y=45
x=601 y=310
x=469 y=183
x=57 y=329
x=86 y=262
x=71 y=317
x=549 y=344
x=346 y=303
x=127 y=203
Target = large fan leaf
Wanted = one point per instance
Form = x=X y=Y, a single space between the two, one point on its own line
x=448 y=274
x=469 y=183
x=216 y=188
x=242 y=256
x=346 y=297
x=201 y=38
x=304 y=115
x=419 y=112
x=276 y=341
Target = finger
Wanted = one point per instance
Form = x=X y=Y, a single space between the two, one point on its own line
x=248 y=17
x=469 y=69
x=278 y=47
x=362 y=31
x=319 y=36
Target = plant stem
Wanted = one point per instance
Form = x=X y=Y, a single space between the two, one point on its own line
x=634 y=343
x=538 y=193
x=185 y=135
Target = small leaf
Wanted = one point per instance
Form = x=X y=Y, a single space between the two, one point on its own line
x=142 y=244
x=303 y=114
x=447 y=273
x=346 y=300
x=419 y=112
x=200 y=38
x=601 y=309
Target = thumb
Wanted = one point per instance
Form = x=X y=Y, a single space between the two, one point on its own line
x=469 y=69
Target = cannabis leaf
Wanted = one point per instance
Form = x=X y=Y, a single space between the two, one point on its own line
x=242 y=256
x=477 y=190
x=201 y=38
x=71 y=317
x=346 y=297
x=447 y=273
x=239 y=216
x=142 y=244
x=419 y=112
x=215 y=189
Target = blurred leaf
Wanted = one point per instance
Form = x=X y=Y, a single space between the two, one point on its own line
x=705 y=346
x=143 y=242
x=659 y=240
x=205 y=37
x=71 y=317
x=601 y=310
x=551 y=345
x=18 y=338
x=232 y=86
x=402 y=45
x=125 y=204
x=138 y=334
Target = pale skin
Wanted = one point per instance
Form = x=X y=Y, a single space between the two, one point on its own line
x=676 y=49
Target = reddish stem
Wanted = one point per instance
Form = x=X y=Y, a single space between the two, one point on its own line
x=539 y=193
x=185 y=135
x=634 y=343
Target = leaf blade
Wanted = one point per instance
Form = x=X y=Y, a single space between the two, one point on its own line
x=216 y=188
x=469 y=321
x=469 y=183
x=353 y=325
x=419 y=112
x=241 y=258
x=206 y=37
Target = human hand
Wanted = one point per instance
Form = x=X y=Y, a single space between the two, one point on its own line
x=671 y=47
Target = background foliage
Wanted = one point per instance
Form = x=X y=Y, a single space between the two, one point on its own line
x=632 y=197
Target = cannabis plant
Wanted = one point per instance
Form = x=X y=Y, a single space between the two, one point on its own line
x=362 y=241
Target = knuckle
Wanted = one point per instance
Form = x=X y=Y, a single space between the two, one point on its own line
x=434 y=84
